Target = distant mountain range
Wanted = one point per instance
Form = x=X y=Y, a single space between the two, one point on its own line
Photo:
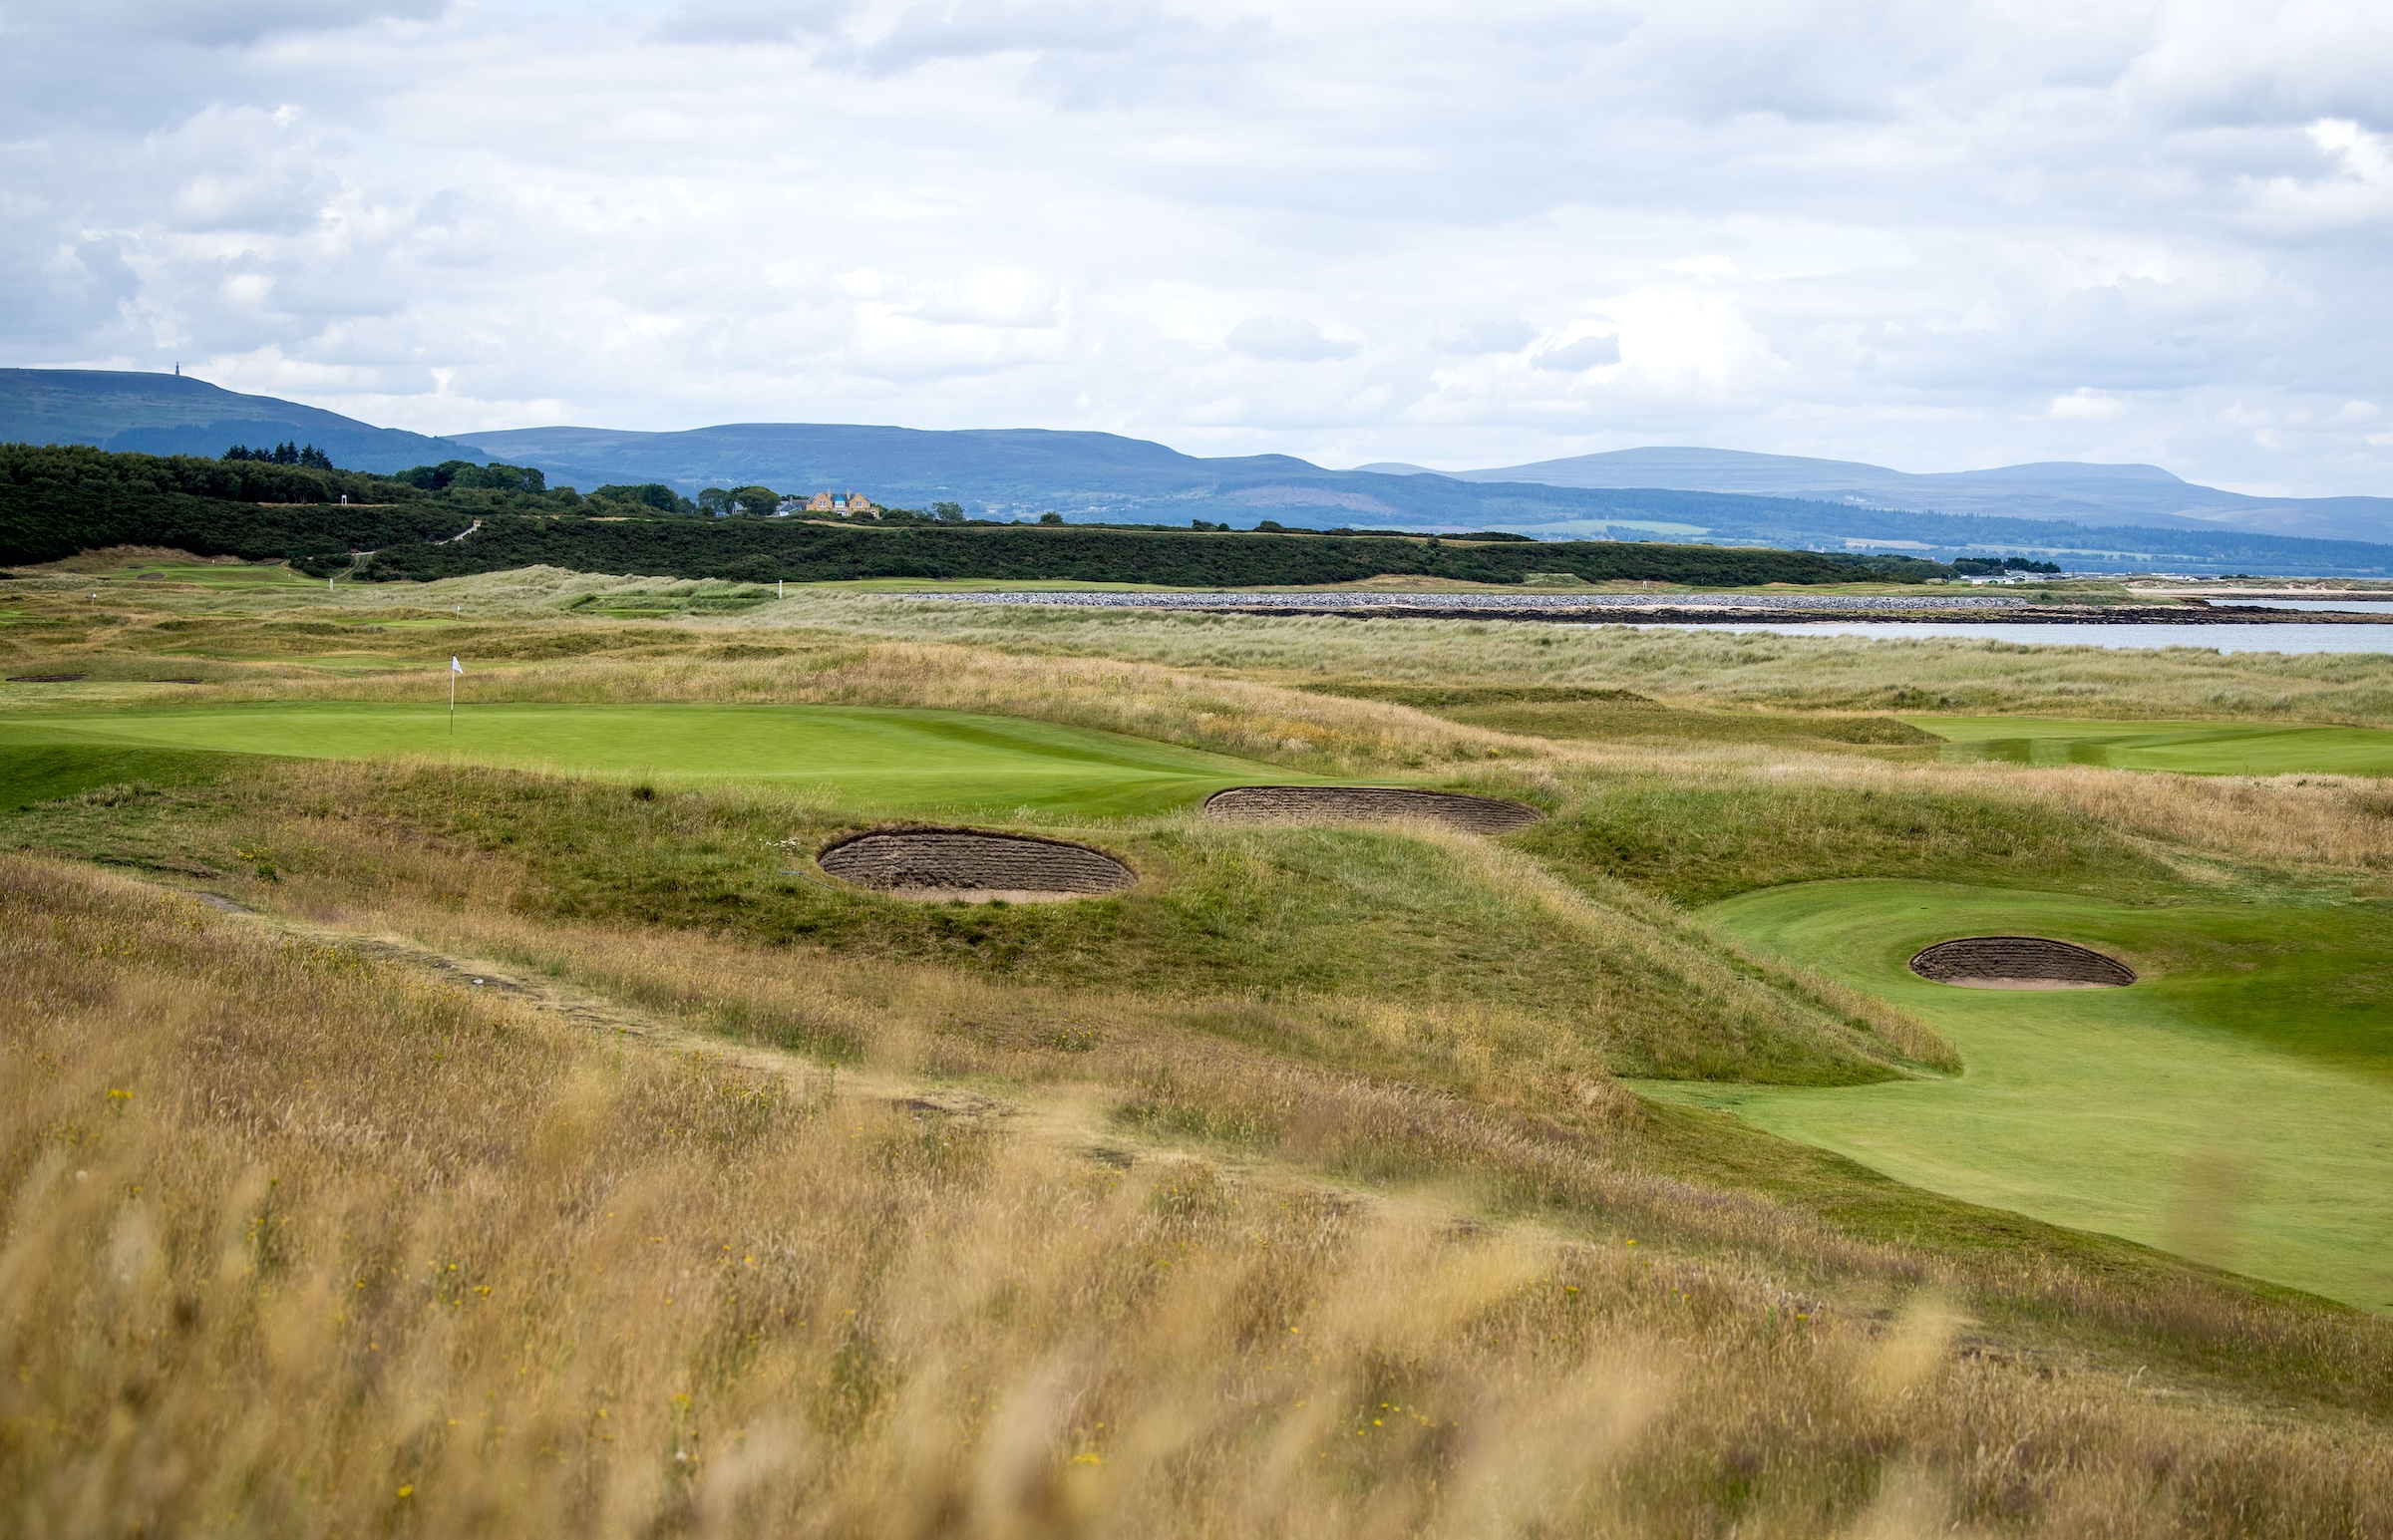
x=2104 y=517
x=150 y=414
x=2072 y=491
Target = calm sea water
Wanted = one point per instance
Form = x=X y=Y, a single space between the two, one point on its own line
x=2223 y=637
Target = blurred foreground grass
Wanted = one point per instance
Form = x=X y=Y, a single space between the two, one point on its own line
x=262 y=1278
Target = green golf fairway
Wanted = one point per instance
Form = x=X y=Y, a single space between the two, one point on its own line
x=884 y=758
x=2191 y=747
x=2235 y=1104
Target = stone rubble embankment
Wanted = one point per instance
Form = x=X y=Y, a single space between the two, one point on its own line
x=1673 y=609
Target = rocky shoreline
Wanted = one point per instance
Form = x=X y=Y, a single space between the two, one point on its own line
x=1747 y=615
x=1692 y=609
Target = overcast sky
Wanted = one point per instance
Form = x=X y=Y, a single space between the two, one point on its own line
x=1929 y=235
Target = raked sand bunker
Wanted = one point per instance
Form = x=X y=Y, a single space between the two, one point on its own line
x=2020 y=962
x=975 y=865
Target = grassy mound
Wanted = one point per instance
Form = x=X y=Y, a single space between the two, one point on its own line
x=1307 y=927
x=1368 y=805
x=1702 y=837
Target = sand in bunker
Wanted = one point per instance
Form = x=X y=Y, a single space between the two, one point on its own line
x=1368 y=805
x=973 y=865
x=2019 y=962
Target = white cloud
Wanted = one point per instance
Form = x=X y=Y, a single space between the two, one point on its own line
x=2361 y=153
x=1935 y=236
x=1578 y=354
x=2087 y=405
x=1476 y=337
x=752 y=21
x=1676 y=333
x=1287 y=340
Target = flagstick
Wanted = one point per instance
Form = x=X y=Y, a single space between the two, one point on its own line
x=452 y=704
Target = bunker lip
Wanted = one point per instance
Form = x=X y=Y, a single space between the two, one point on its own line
x=930 y=895
x=938 y=863
x=1365 y=805
x=2019 y=963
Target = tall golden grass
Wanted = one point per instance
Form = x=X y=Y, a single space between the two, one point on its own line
x=301 y=1243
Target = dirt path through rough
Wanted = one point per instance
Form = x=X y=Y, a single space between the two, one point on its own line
x=1069 y=1118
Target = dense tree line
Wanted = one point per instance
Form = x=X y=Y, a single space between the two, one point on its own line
x=261 y=505
x=283 y=454
x=57 y=500
x=756 y=550
x=60 y=499
x=1996 y=566
x=465 y=476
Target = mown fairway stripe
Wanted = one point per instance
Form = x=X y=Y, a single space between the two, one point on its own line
x=876 y=756
x=2188 y=748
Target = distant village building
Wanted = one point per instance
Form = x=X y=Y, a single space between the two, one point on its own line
x=842 y=502
x=820 y=503
x=858 y=503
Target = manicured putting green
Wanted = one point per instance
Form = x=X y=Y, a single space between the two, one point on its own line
x=869 y=757
x=2191 y=747
x=206 y=574
x=2236 y=1105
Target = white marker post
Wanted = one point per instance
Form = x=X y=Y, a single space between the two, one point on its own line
x=455 y=667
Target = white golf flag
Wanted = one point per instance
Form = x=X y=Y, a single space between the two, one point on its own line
x=455 y=667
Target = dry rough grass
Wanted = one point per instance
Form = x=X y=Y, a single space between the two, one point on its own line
x=2341 y=822
x=2329 y=821
x=299 y=1242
